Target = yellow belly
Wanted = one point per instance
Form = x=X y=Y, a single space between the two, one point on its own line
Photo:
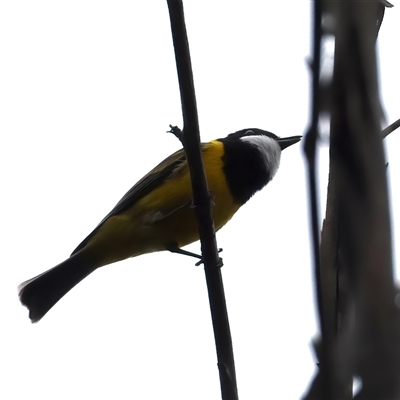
x=166 y=216
x=180 y=224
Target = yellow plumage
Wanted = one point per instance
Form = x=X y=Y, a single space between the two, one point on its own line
x=157 y=212
x=165 y=216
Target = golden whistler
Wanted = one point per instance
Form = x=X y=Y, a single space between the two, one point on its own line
x=156 y=213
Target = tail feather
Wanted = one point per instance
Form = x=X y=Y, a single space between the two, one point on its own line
x=42 y=292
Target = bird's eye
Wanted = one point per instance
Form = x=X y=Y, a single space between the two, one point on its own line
x=250 y=132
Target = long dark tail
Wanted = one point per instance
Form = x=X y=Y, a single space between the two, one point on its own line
x=40 y=293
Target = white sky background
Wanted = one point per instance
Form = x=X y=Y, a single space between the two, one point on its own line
x=88 y=90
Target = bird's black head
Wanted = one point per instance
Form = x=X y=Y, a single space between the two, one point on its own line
x=251 y=132
x=251 y=159
x=254 y=132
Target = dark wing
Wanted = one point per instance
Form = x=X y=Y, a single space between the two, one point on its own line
x=143 y=187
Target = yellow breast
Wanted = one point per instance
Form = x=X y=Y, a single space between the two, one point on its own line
x=167 y=214
x=224 y=204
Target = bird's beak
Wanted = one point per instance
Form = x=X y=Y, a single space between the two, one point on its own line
x=288 y=141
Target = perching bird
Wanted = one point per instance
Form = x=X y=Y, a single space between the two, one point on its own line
x=156 y=214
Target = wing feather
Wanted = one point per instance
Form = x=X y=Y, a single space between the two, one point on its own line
x=144 y=186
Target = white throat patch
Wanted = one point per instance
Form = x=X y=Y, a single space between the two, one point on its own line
x=269 y=150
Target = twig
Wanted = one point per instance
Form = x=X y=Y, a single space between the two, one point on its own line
x=389 y=129
x=202 y=204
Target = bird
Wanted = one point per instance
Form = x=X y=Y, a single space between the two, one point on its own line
x=157 y=214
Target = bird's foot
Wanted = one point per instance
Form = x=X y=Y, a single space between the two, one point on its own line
x=176 y=249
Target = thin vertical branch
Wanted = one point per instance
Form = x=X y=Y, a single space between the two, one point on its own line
x=310 y=144
x=202 y=204
x=325 y=388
